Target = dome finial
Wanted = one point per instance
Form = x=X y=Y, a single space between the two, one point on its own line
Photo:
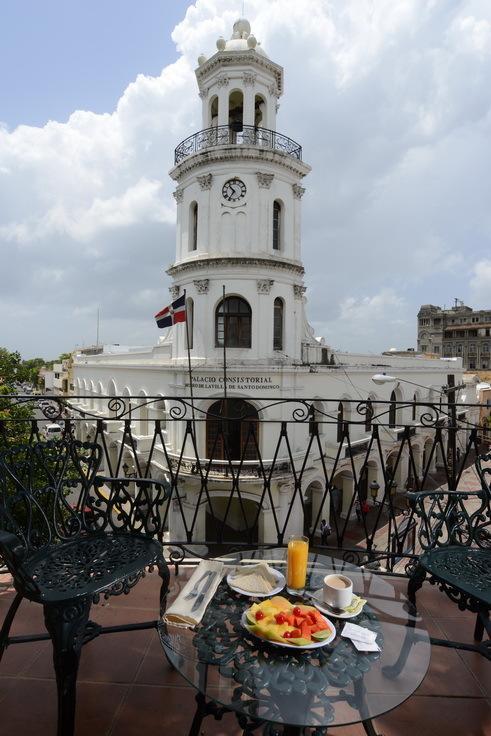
x=242 y=28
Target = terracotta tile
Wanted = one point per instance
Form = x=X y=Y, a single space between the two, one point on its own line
x=30 y=708
x=108 y=658
x=158 y=710
x=438 y=605
x=428 y=716
x=29 y=620
x=97 y=706
x=400 y=585
x=447 y=674
x=476 y=663
x=18 y=658
x=144 y=595
x=155 y=668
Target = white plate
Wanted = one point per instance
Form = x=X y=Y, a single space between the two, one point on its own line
x=280 y=578
x=314 y=645
x=316 y=599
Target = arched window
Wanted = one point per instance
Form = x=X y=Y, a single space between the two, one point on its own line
x=340 y=421
x=260 y=111
x=277 y=224
x=233 y=323
x=214 y=112
x=392 y=410
x=236 y=112
x=232 y=428
x=278 y=324
x=190 y=321
x=193 y=226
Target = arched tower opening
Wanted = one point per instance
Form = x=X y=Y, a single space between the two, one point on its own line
x=213 y=112
x=236 y=111
x=260 y=112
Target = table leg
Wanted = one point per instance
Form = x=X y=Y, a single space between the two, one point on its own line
x=369 y=729
x=198 y=716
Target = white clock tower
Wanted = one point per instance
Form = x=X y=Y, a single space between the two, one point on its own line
x=238 y=215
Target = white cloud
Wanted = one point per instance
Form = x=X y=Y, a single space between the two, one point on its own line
x=391 y=101
x=481 y=284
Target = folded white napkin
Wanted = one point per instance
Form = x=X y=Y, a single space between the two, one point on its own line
x=183 y=612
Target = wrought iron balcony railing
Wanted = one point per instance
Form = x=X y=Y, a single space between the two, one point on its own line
x=225 y=135
x=242 y=479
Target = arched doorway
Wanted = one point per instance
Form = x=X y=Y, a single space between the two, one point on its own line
x=232 y=430
x=232 y=520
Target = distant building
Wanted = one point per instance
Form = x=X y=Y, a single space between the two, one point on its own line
x=460 y=332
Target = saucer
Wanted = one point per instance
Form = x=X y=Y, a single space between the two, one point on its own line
x=317 y=599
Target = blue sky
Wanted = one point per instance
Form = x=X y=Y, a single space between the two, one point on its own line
x=57 y=56
x=390 y=100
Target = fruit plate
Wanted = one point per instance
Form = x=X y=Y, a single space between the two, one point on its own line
x=314 y=645
x=317 y=599
x=280 y=578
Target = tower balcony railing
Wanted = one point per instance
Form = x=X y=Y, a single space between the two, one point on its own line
x=243 y=135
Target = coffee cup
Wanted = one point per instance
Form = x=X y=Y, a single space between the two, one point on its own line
x=338 y=591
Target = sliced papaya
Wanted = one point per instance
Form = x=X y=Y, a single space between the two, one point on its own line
x=305 y=630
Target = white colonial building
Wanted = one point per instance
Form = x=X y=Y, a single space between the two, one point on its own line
x=239 y=189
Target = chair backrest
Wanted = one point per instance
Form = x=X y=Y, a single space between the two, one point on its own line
x=483 y=469
x=134 y=505
x=43 y=489
x=449 y=518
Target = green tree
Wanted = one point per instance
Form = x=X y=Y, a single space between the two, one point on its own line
x=12 y=368
x=15 y=427
x=32 y=367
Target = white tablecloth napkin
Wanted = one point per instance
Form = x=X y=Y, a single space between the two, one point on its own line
x=180 y=613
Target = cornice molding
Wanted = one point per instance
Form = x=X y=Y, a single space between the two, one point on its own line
x=236 y=154
x=208 y=264
x=239 y=58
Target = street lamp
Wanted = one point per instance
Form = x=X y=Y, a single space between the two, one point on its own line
x=374 y=489
x=126 y=472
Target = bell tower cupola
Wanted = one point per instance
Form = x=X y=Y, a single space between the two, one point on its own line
x=238 y=198
x=243 y=100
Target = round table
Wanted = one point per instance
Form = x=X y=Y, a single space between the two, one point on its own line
x=335 y=685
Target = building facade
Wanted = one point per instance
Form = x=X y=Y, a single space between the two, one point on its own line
x=239 y=189
x=459 y=331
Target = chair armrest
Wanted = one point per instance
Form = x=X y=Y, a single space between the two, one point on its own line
x=416 y=497
x=12 y=549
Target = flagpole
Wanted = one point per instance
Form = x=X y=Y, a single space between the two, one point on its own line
x=224 y=346
x=189 y=363
x=224 y=412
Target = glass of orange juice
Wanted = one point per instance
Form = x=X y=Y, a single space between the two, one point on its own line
x=296 y=572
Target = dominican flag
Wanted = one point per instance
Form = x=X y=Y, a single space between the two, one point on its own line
x=175 y=312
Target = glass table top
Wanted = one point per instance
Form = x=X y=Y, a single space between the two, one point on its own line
x=334 y=685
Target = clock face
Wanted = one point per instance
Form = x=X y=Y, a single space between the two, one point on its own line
x=233 y=190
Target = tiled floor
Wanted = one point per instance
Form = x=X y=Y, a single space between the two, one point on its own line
x=126 y=688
